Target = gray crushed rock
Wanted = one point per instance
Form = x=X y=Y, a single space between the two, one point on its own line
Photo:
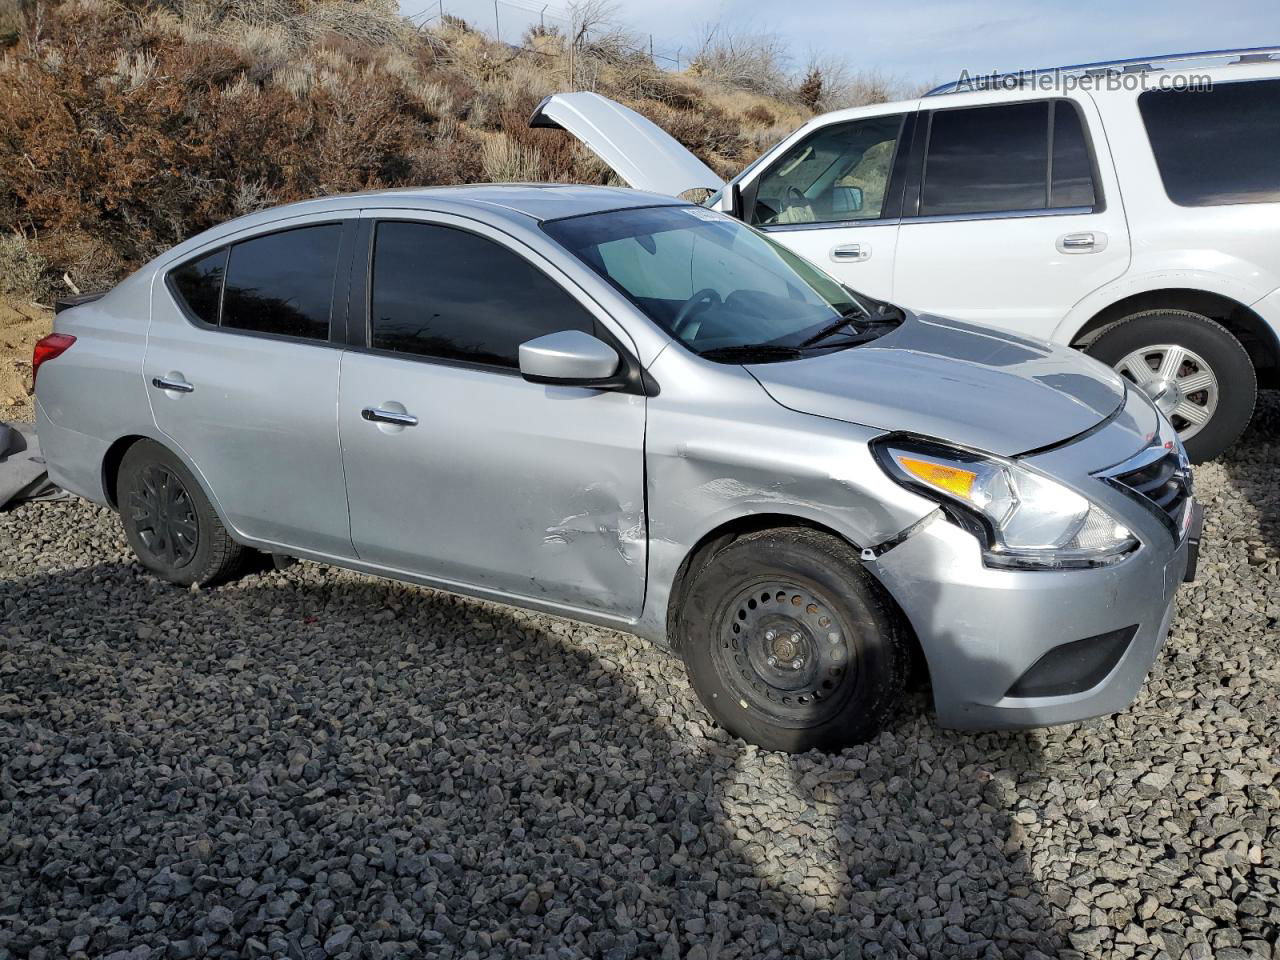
x=311 y=763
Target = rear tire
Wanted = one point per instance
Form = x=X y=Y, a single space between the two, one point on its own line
x=169 y=522
x=1213 y=415
x=790 y=644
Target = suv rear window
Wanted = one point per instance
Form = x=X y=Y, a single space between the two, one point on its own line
x=1217 y=146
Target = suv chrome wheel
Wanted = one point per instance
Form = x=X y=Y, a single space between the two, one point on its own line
x=1178 y=381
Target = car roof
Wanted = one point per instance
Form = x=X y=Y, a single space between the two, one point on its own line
x=538 y=201
x=521 y=204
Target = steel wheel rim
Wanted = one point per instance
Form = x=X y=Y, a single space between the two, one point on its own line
x=164 y=516
x=1178 y=381
x=784 y=651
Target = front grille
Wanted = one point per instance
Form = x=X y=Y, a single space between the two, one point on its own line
x=1163 y=483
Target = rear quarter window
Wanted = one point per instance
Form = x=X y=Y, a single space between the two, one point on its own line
x=198 y=285
x=1216 y=146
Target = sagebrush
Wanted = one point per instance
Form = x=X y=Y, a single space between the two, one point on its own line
x=125 y=128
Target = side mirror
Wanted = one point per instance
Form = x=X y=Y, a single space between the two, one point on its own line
x=846 y=200
x=570 y=358
x=735 y=202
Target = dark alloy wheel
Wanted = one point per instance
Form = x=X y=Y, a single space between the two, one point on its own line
x=168 y=520
x=790 y=643
x=164 y=516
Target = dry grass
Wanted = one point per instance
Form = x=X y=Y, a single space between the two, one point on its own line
x=126 y=126
x=22 y=268
x=21 y=324
x=504 y=161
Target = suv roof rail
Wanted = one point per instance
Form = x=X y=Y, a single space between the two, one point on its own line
x=1130 y=65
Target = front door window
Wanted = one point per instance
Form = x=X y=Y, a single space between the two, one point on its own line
x=838 y=174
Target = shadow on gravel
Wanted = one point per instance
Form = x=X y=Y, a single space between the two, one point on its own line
x=1251 y=467
x=317 y=764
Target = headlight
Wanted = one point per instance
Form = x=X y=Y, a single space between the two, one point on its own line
x=1024 y=519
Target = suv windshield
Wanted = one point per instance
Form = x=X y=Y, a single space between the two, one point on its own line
x=722 y=289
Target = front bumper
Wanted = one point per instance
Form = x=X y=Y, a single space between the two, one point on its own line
x=983 y=629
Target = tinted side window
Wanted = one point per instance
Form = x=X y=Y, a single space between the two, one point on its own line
x=987 y=160
x=1072 y=164
x=839 y=173
x=282 y=283
x=442 y=292
x=1216 y=146
x=199 y=284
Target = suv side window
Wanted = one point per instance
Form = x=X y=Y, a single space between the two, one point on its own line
x=282 y=283
x=996 y=159
x=986 y=160
x=1072 y=177
x=1216 y=146
x=442 y=292
x=837 y=174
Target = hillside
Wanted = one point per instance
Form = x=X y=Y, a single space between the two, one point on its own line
x=125 y=128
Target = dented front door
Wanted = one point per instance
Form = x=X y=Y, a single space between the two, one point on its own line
x=502 y=485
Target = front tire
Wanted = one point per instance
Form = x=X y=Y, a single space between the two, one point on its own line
x=790 y=644
x=1194 y=370
x=169 y=522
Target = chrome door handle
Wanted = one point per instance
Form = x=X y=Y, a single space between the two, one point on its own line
x=845 y=252
x=1082 y=242
x=167 y=383
x=379 y=415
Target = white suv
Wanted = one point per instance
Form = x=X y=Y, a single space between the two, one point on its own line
x=1131 y=209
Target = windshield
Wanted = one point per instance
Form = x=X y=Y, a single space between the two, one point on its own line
x=715 y=284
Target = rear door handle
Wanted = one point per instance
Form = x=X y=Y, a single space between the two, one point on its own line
x=846 y=252
x=379 y=415
x=172 y=383
x=1090 y=242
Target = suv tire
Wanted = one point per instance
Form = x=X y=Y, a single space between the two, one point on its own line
x=790 y=644
x=169 y=522
x=1210 y=396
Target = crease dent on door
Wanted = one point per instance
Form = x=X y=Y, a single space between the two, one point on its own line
x=636 y=149
x=600 y=514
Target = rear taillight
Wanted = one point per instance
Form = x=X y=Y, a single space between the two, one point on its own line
x=54 y=345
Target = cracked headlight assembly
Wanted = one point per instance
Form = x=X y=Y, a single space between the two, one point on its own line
x=1023 y=519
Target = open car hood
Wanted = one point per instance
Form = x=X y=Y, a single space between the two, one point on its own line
x=974 y=386
x=636 y=149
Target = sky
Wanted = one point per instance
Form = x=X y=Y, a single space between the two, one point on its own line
x=918 y=41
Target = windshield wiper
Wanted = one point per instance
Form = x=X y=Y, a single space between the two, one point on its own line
x=847 y=319
x=751 y=353
x=886 y=315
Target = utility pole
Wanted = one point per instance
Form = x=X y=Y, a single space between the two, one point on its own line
x=497 y=30
x=651 y=60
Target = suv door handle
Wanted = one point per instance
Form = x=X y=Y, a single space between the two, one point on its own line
x=846 y=252
x=379 y=415
x=1090 y=242
x=171 y=383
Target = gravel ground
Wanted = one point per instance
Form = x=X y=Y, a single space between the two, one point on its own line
x=314 y=763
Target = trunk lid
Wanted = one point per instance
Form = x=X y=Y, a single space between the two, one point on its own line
x=636 y=149
x=981 y=388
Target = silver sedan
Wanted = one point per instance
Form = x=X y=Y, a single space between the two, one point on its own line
x=637 y=412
